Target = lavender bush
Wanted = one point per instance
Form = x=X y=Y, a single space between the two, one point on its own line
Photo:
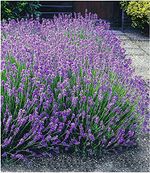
x=67 y=86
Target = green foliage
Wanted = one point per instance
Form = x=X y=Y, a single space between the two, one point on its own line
x=124 y=5
x=19 y=9
x=139 y=11
x=15 y=82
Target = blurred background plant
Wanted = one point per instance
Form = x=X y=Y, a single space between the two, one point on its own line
x=19 y=9
x=139 y=11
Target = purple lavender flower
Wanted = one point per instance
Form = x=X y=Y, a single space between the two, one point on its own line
x=74 y=101
x=121 y=140
x=48 y=138
x=18 y=156
x=64 y=79
x=8 y=122
x=131 y=133
x=75 y=142
x=4 y=154
x=83 y=99
x=91 y=137
x=96 y=120
x=6 y=142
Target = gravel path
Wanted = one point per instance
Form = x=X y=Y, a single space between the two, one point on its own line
x=133 y=160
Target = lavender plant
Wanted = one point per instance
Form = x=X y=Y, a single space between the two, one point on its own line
x=67 y=85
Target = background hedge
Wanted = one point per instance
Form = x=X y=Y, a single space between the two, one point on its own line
x=19 y=9
x=139 y=11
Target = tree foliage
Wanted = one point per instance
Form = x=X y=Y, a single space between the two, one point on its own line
x=139 y=11
x=19 y=9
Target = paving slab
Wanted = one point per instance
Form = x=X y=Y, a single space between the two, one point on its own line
x=141 y=60
x=135 y=35
x=129 y=45
x=144 y=45
x=134 y=51
x=137 y=48
x=123 y=37
x=117 y=32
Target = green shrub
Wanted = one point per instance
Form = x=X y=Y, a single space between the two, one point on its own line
x=19 y=9
x=139 y=11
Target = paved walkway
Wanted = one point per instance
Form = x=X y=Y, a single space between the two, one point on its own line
x=138 y=48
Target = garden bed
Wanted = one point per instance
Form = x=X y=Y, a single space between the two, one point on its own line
x=67 y=87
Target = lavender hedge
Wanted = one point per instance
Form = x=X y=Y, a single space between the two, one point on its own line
x=67 y=85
